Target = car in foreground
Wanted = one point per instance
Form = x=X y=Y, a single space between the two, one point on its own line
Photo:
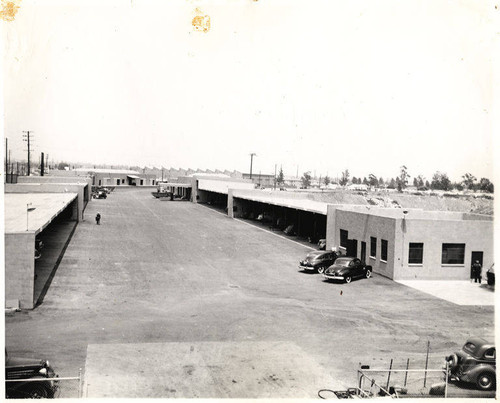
x=347 y=268
x=318 y=261
x=490 y=274
x=29 y=378
x=475 y=363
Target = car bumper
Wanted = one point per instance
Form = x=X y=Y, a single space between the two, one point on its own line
x=306 y=267
x=333 y=277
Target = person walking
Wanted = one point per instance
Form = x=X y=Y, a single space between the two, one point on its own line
x=98 y=219
x=476 y=271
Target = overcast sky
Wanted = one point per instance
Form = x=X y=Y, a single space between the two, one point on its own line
x=317 y=86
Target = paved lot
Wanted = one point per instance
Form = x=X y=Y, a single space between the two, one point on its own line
x=175 y=272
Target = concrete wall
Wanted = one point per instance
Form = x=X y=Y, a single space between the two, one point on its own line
x=399 y=232
x=477 y=236
x=20 y=268
x=53 y=188
x=361 y=226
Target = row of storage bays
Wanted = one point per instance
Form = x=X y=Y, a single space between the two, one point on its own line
x=306 y=225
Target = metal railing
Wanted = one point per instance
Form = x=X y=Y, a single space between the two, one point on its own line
x=67 y=386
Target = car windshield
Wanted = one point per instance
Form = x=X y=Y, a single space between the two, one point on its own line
x=342 y=262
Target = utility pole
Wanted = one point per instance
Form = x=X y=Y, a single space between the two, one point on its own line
x=42 y=164
x=251 y=163
x=6 y=160
x=275 y=165
x=47 y=162
x=27 y=138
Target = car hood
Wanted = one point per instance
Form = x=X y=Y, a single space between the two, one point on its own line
x=14 y=362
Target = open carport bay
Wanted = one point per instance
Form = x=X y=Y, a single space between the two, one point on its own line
x=156 y=272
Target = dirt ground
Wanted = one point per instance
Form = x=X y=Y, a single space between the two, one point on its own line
x=176 y=272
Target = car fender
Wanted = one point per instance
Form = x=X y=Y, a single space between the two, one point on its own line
x=472 y=375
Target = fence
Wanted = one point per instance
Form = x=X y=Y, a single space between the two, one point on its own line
x=401 y=382
x=68 y=387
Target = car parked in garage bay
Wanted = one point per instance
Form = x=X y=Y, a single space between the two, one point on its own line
x=318 y=261
x=347 y=268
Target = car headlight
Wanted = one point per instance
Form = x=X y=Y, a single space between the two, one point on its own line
x=43 y=371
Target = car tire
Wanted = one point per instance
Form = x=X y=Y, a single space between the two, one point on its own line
x=368 y=273
x=348 y=279
x=321 y=270
x=452 y=362
x=485 y=381
x=36 y=391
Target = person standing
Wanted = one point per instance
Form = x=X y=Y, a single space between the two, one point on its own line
x=476 y=271
x=98 y=219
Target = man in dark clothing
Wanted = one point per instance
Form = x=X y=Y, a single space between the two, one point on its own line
x=98 y=219
x=476 y=271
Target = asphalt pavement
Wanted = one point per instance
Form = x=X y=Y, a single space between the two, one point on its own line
x=159 y=271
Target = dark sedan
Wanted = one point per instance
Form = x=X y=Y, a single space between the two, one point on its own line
x=29 y=378
x=347 y=268
x=318 y=260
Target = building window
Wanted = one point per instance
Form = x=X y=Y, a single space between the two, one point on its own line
x=123 y=181
x=416 y=253
x=344 y=235
x=99 y=182
x=383 y=250
x=118 y=181
x=373 y=246
x=142 y=182
x=453 y=253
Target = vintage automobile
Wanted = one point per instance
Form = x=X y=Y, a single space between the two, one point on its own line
x=490 y=274
x=22 y=373
x=347 y=268
x=318 y=261
x=475 y=363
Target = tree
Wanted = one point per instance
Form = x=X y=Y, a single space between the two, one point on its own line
x=306 y=180
x=62 y=166
x=485 y=185
x=392 y=184
x=372 y=180
x=427 y=184
x=420 y=181
x=345 y=178
x=440 y=181
x=281 y=177
x=326 y=180
x=402 y=179
x=468 y=181
x=381 y=181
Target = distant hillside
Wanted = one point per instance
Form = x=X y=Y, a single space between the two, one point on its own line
x=462 y=203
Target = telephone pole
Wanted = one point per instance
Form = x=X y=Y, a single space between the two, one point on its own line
x=27 y=138
x=6 y=160
x=251 y=163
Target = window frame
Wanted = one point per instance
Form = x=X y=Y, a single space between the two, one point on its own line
x=410 y=250
x=382 y=242
x=449 y=261
x=372 y=248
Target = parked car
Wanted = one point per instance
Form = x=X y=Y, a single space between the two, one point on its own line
x=475 y=363
x=101 y=194
x=318 y=261
x=347 y=268
x=490 y=274
x=29 y=368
